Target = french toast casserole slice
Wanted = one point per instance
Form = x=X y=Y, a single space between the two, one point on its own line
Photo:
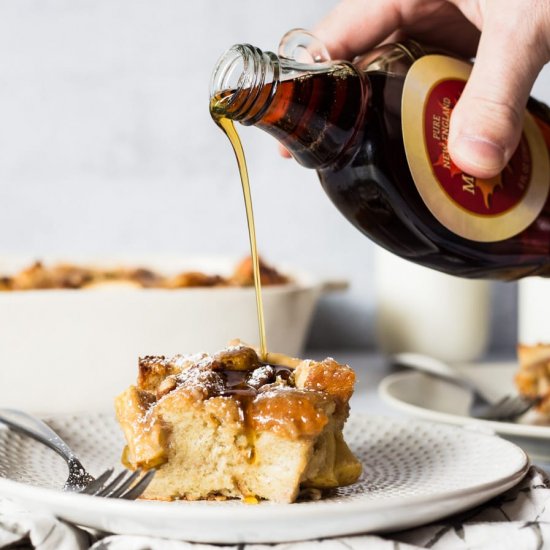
x=231 y=426
x=533 y=376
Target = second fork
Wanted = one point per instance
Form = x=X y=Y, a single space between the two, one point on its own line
x=484 y=407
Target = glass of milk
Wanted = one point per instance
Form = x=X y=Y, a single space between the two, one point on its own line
x=425 y=311
x=534 y=311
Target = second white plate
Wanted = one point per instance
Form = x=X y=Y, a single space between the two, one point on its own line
x=427 y=397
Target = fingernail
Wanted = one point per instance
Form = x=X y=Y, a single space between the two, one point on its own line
x=479 y=153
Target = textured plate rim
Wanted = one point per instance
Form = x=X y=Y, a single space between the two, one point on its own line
x=42 y=498
x=385 y=391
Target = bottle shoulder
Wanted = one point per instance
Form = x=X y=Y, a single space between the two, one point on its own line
x=394 y=59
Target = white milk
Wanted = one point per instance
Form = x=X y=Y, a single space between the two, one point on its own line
x=424 y=311
x=534 y=311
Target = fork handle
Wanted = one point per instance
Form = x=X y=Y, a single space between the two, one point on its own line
x=35 y=428
x=440 y=369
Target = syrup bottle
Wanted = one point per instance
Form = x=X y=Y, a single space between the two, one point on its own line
x=376 y=130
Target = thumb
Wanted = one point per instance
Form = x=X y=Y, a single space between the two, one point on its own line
x=487 y=121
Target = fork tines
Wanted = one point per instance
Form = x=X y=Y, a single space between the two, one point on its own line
x=125 y=485
x=509 y=408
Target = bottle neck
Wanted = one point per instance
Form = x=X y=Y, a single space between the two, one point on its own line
x=313 y=109
x=243 y=83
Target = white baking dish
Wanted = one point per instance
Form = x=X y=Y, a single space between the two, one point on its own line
x=73 y=350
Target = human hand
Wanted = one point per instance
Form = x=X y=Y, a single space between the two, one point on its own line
x=511 y=42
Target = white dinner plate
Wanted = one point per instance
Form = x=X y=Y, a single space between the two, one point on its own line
x=430 y=398
x=414 y=472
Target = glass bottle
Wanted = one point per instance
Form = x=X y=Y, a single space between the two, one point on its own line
x=375 y=130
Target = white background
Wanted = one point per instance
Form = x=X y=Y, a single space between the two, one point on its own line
x=107 y=147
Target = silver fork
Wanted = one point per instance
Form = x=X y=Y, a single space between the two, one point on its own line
x=125 y=485
x=506 y=409
x=509 y=408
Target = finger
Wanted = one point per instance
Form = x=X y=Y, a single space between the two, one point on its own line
x=283 y=151
x=447 y=28
x=487 y=121
x=355 y=26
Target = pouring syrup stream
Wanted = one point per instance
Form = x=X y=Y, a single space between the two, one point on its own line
x=228 y=127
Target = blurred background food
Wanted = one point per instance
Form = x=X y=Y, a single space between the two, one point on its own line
x=68 y=275
x=108 y=149
x=69 y=349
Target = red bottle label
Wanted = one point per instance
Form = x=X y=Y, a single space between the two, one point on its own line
x=485 y=197
x=478 y=209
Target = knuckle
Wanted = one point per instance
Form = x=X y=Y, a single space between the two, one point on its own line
x=494 y=119
x=504 y=122
x=498 y=111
